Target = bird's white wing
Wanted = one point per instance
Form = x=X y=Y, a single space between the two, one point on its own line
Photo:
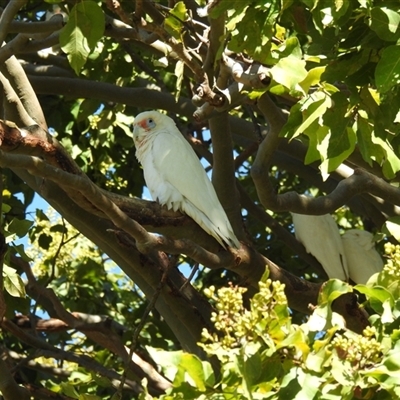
x=362 y=258
x=176 y=178
x=321 y=237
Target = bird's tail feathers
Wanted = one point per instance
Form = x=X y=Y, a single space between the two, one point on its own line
x=221 y=230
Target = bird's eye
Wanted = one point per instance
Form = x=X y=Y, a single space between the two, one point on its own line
x=151 y=120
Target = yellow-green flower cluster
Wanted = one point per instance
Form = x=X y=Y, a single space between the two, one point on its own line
x=267 y=315
x=392 y=266
x=361 y=351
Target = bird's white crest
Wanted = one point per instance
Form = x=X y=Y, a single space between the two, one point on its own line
x=321 y=238
x=362 y=258
x=175 y=176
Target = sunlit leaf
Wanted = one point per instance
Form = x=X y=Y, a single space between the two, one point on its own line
x=313 y=78
x=387 y=73
x=13 y=282
x=20 y=226
x=81 y=33
x=289 y=72
x=385 y=22
x=174 y=22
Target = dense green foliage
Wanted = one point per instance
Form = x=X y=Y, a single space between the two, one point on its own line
x=304 y=93
x=265 y=356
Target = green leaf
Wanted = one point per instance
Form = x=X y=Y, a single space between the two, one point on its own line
x=341 y=145
x=290 y=386
x=391 y=162
x=378 y=292
x=44 y=241
x=294 y=120
x=85 y=27
x=387 y=72
x=69 y=390
x=332 y=289
x=309 y=385
x=19 y=226
x=298 y=340
x=289 y=72
x=13 y=283
x=392 y=359
x=86 y=396
x=21 y=251
x=250 y=363
x=223 y=6
x=78 y=377
x=365 y=129
x=385 y=22
x=291 y=47
x=313 y=78
x=16 y=304
x=5 y=208
x=193 y=366
x=311 y=109
x=256 y=40
x=316 y=134
x=178 y=365
x=41 y=216
x=173 y=23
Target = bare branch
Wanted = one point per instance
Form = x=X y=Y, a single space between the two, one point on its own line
x=8 y=15
x=13 y=47
x=55 y=23
x=13 y=107
x=115 y=7
x=223 y=176
x=14 y=72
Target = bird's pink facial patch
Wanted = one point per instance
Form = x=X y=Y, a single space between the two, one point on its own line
x=143 y=124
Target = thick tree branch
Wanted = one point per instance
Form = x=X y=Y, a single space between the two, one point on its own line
x=8 y=15
x=14 y=72
x=85 y=322
x=55 y=23
x=223 y=176
x=13 y=47
x=13 y=108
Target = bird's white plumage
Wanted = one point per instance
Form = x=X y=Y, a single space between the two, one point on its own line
x=321 y=238
x=362 y=258
x=175 y=176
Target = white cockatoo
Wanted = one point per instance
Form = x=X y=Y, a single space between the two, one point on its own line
x=362 y=258
x=321 y=237
x=175 y=176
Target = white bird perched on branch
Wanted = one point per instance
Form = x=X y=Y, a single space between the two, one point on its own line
x=175 y=176
x=321 y=237
x=362 y=258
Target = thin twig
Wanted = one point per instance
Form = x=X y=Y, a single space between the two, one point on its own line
x=190 y=277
